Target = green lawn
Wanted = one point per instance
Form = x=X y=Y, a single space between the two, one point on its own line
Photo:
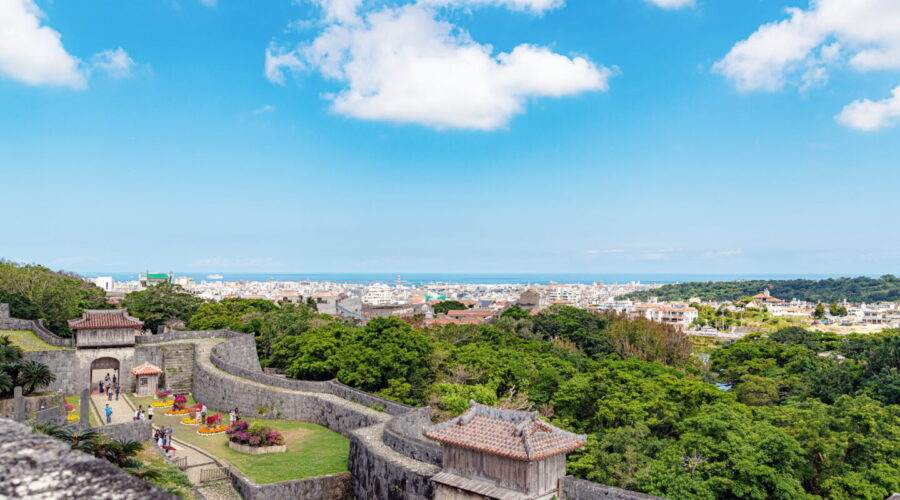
x=170 y=478
x=312 y=449
x=76 y=400
x=29 y=342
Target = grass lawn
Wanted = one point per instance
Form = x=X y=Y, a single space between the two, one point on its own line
x=29 y=342
x=76 y=400
x=170 y=478
x=312 y=449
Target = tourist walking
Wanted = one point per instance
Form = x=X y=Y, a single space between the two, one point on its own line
x=114 y=380
x=237 y=416
x=150 y=413
x=101 y=387
x=108 y=411
x=169 y=432
x=109 y=395
x=231 y=417
x=137 y=413
x=117 y=392
x=203 y=413
x=106 y=379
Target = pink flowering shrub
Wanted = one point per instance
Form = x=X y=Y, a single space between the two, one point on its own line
x=254 y=435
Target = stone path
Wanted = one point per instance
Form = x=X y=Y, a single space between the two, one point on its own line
x=122 y=412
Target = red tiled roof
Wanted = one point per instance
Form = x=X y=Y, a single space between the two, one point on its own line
x=100 y=318
x=146 y=369
x=512 y=434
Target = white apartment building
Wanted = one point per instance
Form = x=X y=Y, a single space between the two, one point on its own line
x=673 y=314
x=378 y=295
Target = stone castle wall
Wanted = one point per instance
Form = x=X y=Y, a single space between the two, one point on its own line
x=136 y=430
x=37 y=466
x=578 y=489
x=37 y=327
x=33 y=404
x=403 y=434
x=330 y=487
x=178 y=366
x=380 y=473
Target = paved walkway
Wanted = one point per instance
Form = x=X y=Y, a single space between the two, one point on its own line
x=122 y=412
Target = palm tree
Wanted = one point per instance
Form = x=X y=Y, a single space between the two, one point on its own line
x=120 y=452
x=9 y=352
x=85 y=441
x=34 y=375
x=53 y=430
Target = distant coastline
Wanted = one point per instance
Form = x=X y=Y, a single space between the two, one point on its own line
x=476 y=278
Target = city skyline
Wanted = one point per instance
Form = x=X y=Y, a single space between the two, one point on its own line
x=452 y=136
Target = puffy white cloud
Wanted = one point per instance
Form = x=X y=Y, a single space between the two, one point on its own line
x=277 y=60
x=536 y=6
x=672 y=4
x=116 y=63
x=867 y=30
x=402 y=64
x=872 y=115
x=32 y=53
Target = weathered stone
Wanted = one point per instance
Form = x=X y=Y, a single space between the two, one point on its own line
x=38 y=467
x=19 y=410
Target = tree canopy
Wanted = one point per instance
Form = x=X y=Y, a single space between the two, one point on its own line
x=160 y=303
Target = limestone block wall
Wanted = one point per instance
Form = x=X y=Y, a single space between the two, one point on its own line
x=63 y=365
x=578 y=489
x=33 y=404
x=239 y=352
x=38 y=466
x=330 y=487
x=403 y=434
x=380 y=473
x=187 y=335
x=139 y=431
x=178 y=366
x=36 y=326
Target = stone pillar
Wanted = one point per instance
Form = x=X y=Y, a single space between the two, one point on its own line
x=84 y=415
x=19 y=405
x=4 y=311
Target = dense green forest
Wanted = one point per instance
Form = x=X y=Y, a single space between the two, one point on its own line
x=862 y=289
x=36 y=292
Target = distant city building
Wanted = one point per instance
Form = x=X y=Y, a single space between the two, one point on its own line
x=679 y=315
x=529 y=300
x=378 y=295
x=326 y=302
x=104 y=282
x=151 y=279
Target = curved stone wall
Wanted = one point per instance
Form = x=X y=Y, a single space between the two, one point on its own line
x=35 y=326
x=330 y=487
x=223 y=391
x=380 y=473
x=403 y=434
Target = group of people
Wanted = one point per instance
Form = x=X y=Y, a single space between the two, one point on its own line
x=163 y=437
x=233 y=416
x=108 y=385
x=140 y=414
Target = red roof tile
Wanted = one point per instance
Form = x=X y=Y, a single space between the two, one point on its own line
x=512 y=434
x=146 y=369
x=100 y=318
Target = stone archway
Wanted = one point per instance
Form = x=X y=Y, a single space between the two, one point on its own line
x=100 y=368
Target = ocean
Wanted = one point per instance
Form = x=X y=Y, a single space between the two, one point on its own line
x=474 y=278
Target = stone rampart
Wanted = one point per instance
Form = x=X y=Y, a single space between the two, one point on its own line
x=403 y=434
x=52 y=415
x=136 y=430
x=62 y=364
x=238 y=357
x=223 y=391
x=35 y=326
x=572 y=488
x=33 y=404
x=380 y=473
x=330 y=487
x=187 y=335
x=37 y=466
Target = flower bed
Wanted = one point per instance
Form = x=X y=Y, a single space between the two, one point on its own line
x=72 y=417
x=208 y=431
x=191 y=421
x=176 y=412
x=255 y=439
x=70 y=408
x=162 y=404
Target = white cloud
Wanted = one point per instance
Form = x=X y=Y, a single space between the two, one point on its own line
x=601 y=252
x=32 y=53
x=867 y=30
x=721 y=254
x=404 y=65
x=800 y=50
x=277 y=60
x=535 y=6
x=116 y=63
x=672 y=4
x=265 y=109
x=872 y=115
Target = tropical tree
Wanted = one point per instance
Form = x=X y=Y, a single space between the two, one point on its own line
x=449 y=305
x=34 y=375
x=160 y=303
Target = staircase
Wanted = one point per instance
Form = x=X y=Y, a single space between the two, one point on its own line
x=178 y=365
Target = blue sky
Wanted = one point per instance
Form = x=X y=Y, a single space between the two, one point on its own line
x=594 y=136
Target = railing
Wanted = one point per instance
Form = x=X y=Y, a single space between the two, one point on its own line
x=180 y=462
x=211 y=474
